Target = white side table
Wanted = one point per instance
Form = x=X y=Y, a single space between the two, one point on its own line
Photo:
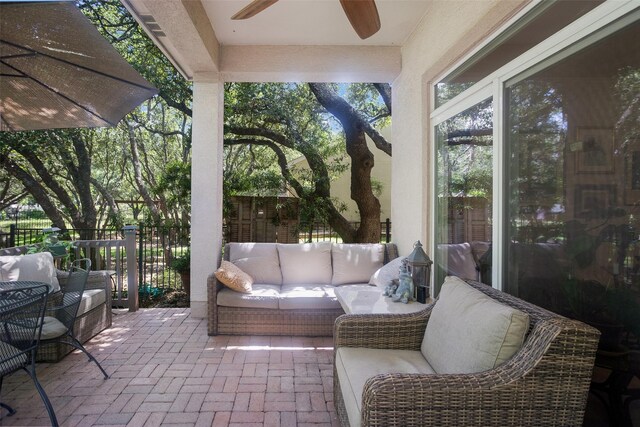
x=365 y=299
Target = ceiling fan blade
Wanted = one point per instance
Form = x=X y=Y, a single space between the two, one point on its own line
x=363 y=15
x=253 y=8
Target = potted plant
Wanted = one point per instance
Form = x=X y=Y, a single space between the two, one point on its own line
x=182 y=265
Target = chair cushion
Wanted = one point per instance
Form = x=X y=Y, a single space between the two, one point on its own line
x=261 y=296
x=385 y=274
x=300 y=297
x=233 y=277
x=355 y=366
x=52 y=328
x=91 y=298
x=305 y=264
x=459 y=260
x=259 y=260
x=470 y=332
x=33 y=267
x=355 y=263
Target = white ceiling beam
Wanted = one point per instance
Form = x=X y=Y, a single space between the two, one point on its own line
x=377 y=64
x=182 y=30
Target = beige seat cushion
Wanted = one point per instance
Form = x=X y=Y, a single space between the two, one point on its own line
x=233 y=277
x=299 y=297
x=33 y=267
x=261 y=296
x=355 y=366
x=91 y=298
x=259 y=260
x=305 y=264
x=470 y=332
x=355 y=263
x=52 y=328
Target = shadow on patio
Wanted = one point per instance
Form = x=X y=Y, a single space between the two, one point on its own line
x=165 y=370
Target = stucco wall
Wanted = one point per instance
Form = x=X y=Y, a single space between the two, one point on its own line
x=448 y=31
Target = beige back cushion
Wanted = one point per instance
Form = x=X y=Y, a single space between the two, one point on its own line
x=307 y=263
x=355 y=263
x=470 y=332
x=33 y=267
x=258 y=260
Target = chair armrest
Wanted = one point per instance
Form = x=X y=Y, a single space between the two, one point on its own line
x=390 y=331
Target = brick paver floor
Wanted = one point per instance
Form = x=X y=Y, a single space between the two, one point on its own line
x=166 y=371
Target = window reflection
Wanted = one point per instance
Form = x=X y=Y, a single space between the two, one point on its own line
x=573 y=144
x=464 y=186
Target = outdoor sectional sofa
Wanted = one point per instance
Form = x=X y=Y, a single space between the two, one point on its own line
x=94 y=313
x=293 y=290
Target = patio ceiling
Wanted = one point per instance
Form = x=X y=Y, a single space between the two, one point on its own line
x=300 y=40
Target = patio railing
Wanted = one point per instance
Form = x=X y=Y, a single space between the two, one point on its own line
x=117 y=256
x=113 y=255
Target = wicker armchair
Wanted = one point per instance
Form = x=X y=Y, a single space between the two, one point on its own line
x=545 y=383
x=88 y=323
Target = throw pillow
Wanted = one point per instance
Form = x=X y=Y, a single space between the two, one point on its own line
x=32 y=267
x=385 y=274
x=232 y=277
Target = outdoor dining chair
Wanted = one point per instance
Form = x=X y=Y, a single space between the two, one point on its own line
x=21 y=314
x=59 y=319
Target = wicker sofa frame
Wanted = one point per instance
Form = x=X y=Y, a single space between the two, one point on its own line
x=261 y=321
x=546 y=383
x=87 y=325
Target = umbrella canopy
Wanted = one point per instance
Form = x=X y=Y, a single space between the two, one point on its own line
x=57 y=71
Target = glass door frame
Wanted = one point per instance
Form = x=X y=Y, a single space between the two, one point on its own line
x=586 y=30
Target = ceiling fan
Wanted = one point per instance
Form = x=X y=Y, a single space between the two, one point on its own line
x=362 y=14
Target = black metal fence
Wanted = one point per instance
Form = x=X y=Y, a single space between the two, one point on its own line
x=158 y=247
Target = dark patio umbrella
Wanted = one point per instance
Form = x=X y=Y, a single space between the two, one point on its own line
x=57 y=71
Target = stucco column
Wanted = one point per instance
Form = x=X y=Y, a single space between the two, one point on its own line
x=206 y=186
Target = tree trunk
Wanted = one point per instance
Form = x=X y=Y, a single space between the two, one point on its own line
x=362 y=162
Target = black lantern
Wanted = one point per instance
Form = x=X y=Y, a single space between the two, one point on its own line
x=419 y=266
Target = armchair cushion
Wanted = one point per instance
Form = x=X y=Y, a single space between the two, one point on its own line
x=470 y=332
x=37 y=267
x=52 y=328
x=91 y=298
x=259 y=260
x=305 y=264
x=355 y=263
x=364 y=363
